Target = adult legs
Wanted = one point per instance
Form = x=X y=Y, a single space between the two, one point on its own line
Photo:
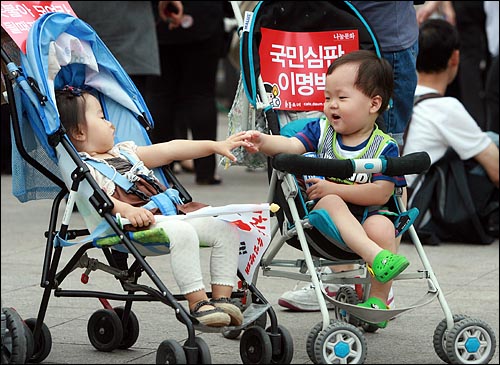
x=470 y=23
x=164 y=94
x=184 y=97
x=492 y=122
x=397 y=117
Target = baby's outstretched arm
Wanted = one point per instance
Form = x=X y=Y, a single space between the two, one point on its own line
x=272 y=144
x=161 y=154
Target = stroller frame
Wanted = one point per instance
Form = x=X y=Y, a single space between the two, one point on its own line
x=328 y=339
x=122 y=320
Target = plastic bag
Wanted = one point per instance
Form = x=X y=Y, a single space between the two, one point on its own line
x=242 y=117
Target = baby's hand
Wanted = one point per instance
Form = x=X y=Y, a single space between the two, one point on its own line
x=319 y=188
x=254 y=139
x=236 y=140
x=138 y=217
x=171 y=12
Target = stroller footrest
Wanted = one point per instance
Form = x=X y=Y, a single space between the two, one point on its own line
x=372 y=315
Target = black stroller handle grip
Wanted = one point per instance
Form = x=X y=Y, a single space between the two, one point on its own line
x=413 y=163
x=302 y=165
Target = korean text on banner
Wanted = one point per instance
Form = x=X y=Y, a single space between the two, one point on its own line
x=294 y=64
x=19 y=16
x=254 y=229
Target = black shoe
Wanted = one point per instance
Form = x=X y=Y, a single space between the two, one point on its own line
x=208 y=181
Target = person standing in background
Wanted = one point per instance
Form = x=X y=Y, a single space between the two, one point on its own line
x=492 y=122
x=128 y=30
x=469 y=18
x=436 y=9
x=184 y=96
x=395 y=26
x=474 y=58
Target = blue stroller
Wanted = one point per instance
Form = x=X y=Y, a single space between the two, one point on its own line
x=63 y=50
x=273 y=52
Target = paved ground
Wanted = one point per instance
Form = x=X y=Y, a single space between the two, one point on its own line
x=468 y=276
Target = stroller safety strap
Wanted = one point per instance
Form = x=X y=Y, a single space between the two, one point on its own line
x=111 y=174
x=165 y=201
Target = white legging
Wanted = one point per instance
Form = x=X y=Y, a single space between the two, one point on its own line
x=185 y=239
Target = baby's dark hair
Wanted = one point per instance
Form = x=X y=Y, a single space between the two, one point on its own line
x=71 y=105
x=374 y=77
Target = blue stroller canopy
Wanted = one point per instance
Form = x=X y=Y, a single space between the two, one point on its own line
x=64 y=50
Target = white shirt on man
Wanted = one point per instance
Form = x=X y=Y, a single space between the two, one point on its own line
x=439 y=123
x=491 y=11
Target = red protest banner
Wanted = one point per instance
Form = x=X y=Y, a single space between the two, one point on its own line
x=293 y=65
x=19 y=16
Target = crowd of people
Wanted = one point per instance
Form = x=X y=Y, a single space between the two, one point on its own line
x=172 y=51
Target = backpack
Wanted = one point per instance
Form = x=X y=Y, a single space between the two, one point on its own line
x=455 y=205
x=462 y=206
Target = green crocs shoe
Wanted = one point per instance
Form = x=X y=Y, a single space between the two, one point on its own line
x=375 y=303
x=387 y=265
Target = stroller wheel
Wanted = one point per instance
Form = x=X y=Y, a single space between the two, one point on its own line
x=42 y=346
x=14 y=346
x=105 y=330
x=346 y=294
x=204 y=356
x=131 y=331
x=440 y=334
x=30 y=342
x=311 y=339
x=255 y=346
x=470 y=341
x=285 y=353
x=170 y=352
x=342 y=343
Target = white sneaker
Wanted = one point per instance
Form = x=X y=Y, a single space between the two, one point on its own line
x=305 y=299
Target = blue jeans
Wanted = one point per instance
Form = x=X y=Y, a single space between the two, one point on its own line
x=397 y=117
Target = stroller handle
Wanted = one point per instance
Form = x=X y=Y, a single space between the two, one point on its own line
x=413 y=163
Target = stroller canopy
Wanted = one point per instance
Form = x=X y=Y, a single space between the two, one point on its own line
x=64 y=50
